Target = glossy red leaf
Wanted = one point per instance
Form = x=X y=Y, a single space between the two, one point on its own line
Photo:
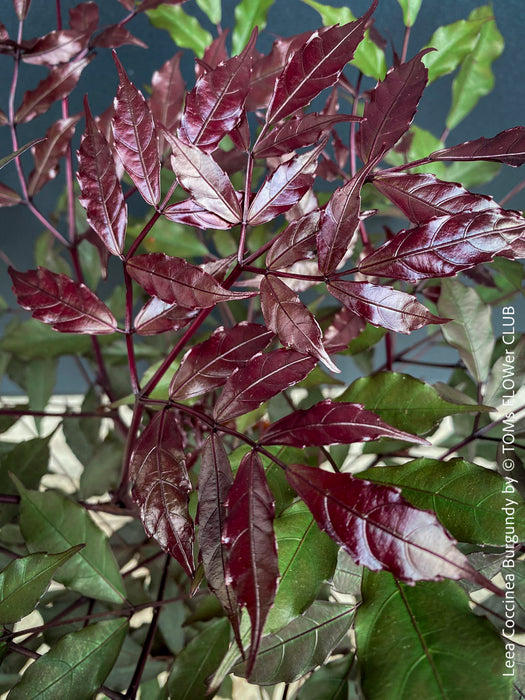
x=101 y=193
x=345 y=327
x=8 y=197
x=214 y=54
x=219 y=268
x=136 y=138
x=506 y=147
x=55 y=86
x=21 y=8
x=56 y=47
x=176 y=281
x=115 y=36
x=421 y=196
x=340 y=220
x=208 y=365
x=379 y=529
x=315 y=66
x=160 y=487
x=47 y=154
x=252 y=566
x=216 y=104
x=445 y=245
x=393 y=103
x=200 y=175
x=157 y=316
x=284 y=187
x=383 y=306
x=332 y=423
x=167 y=96
x=296 y=242
x=192 y=214
x=68 y=306
x=152 y=4
x=262 y=377
x=298 y=132
x=215 y=480
x=84 y=17
x=286 y=315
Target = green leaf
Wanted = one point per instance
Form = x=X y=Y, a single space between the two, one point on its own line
x=248 y=14
x=368 y=58
x=476 y=79
x=76 y=666
x=212 y=9
x=101 y=472
x=347 y=576
x=29 y=461
x=126 y=663
x=302 y=645
x=307 y=557
x=470 y=330
x=25 y=580
x=443 y=649
x=471 y=174
x=41 y=376
x=467 y=499
x=47 y=254
x=184 y=29
x=199 y=659
x=410 y=11
x=504 y=369
x=51 y=522
x=403 y=401
x=337 y=680
x=368 y=337
x=171 y=238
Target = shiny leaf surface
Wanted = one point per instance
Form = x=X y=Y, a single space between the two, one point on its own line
x=248 y=15
x=48 y=153
x=184 y=29
x=296 y=242
x=56 y=47
x=506 y=147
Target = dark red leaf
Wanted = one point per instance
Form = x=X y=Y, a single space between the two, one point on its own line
x=8 y=197
x=231 y=162
x=70 y=307
x=84 y=17
x=445 y=245
x=252 y=565
x=393 y=103
x=261 y=378
x=101 y=193
x=218 y=268
x=200 y=175
x=157 y=316
x=296 y=242
x=506 y=147
x=383 y=306
x=332 y=423
x=190 y=213
x=48 y=153
x=214 y=54
x=284 y=187
x=208 y=365
x=340 y=220
x=160 y=486
x=298 y=132
x=21 y=8
x=315 y=66
x=136 y=138
x=176 y=281
x=286 y=315
x=216 y=104
x=379 y=529
x=421 y=196
x=114 y=36
x=3 y=118
x=57 y=85
x=167 y=96
x=345 y=327
x=152 y=4
x=56 y=47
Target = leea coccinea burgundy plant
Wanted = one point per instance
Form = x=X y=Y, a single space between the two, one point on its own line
x=241 y=510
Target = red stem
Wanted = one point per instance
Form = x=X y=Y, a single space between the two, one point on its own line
x=404 y=50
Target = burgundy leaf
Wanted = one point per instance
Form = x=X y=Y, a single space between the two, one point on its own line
x=84 y=17
x=383 y=306
x=298 y=132
x=190 y=213
x=286 y=315
x=421 y=196
x=393 y=103
x=101 y=193
x=345 y=327
x=136 y=138
x=21 y=8
x=506 y=147
x=215 y=480
x=306 y=205
x=152 y=4
x=161 y=487
x=57 y=85
x=214 y=54
x=208 y=365
x=296 y=242
x=3 y=118
x=252 y=564
x=56 y=47
x=176 y=281
x=48 y=153
x=340 y=220
x=379 y=529
x=218 y=268
x=8 y=197
x=69 y=306
x=114 y=36
x=216 y=104
x=200 y=175
x=231 y=162
x=262 y=377
x=157 y=316
x=284 y=187
x=167 y=96
x=445 y=245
